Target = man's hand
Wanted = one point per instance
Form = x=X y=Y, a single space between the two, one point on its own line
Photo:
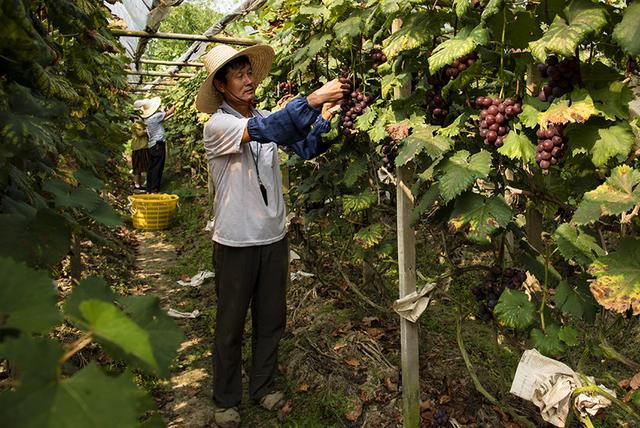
x=329 y=109
x=330 y=92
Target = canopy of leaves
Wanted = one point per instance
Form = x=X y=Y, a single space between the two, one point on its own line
x=617 y=283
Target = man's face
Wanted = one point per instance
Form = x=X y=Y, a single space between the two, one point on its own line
x=239 y=86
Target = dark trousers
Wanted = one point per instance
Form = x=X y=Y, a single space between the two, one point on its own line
x=156 y=166
x=255 y=276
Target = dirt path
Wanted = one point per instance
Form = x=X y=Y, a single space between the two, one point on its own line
x=185 y=399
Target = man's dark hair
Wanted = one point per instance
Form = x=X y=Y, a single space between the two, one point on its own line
x=234 y=64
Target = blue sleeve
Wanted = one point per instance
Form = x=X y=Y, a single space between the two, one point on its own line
x=285 y=126
x=313 y=145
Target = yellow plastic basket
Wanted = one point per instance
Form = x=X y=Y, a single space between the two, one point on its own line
x=153 y=211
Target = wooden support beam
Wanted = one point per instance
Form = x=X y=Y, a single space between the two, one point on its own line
x=159 y=73
x=177 y=36
x=179 y=63
x=153 y=83
x=409 y=338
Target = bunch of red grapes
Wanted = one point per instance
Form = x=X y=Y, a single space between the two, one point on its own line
x=353 y=106
x=389 y=151
x=495 y=115
x=495 y=281
x=562 y=75
x=551 y=145
x=378 y=57
x=436 y=105
x=461 y=64
x=287 y=88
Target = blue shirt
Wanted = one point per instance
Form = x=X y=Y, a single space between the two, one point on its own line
x=155 y=128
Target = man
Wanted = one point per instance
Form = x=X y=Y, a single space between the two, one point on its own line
x=251 y=253
x=154 y=119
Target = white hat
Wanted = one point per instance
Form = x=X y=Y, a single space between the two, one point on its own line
x=260 y=56
x=148 y=106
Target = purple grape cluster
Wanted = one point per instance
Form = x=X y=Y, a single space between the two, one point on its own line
x=551 y=145
x=495 y=281
x=389 y=151
x=378 y=58
x=461 y=64
x=563 y=76
x=495 y=115
x=289 y=87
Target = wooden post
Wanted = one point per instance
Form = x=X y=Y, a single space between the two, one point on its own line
x=407 y=271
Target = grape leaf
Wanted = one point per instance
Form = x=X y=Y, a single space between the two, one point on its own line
x=456 y=126
x=87 y=399
x=602 y=143
x=514 y=309
x=613 y=101
x=354 y=171
x=548 y=342
x=355 y=203
x=351 y=27
x=426 y=202
x=36 y=358
x=627 y=32
x=492 y=8
x=417 y=30
x=518 y=146
x=88 y=179
x=577 y=301
x=562 y=38
x=617 y=283
x=461 y=170
x=423 y=138
x=105 y=214
x=580 y=111
x=463 y=43
x=93 y=288
x=569 y=335
x=27 y=298
x=618 y=194
x=369 y=236
x=483 y=216
x=461 y=7
x=576 y=245
x=529 y=116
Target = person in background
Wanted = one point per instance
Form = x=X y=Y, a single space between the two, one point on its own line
x=139 y=152
x=251 y=254
x=154 y=117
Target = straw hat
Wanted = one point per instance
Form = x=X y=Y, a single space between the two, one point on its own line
x=148 y=106
x=260 y=56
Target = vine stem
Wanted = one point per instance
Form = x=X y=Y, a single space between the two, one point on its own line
x=546 y=287
x=476 y=381
x=504 y=30
x=76 y=346
x=591 y=388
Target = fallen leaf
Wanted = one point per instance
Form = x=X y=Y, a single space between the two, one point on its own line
x=634 y=382
x=391 y=385
x=303 y=387
x=354 y=414
x=338 y=346
x=426 y=405
x=444 y=399
x=352 y=362
x=375 y=332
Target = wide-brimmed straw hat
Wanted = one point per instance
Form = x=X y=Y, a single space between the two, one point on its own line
x=260 y=56
x=147 y=106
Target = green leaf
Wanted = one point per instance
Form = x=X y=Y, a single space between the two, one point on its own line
x=369 y=236
x=483 y=216
x=423 y=139
x=461 y=171
x=580 y=110
x=27 y=299
x=87 y=399
x=105 y=214
x=355 y=203
x=88 y=179
x=350 y=27
x=164 y=334
x=366 y=119
x=627 y=32
x=354 y=171
x=548 y=343
x=464 y=43
x=618 y=194
x=518 y=147
x=569 y=300
x=613 y=101
x=569 y=335
x=91 y=288
x=426 y=202
x=492 y=8
x=529 y=116
x=617 y=283
x=36 y=358
x=562 y=38
x=416 y=32
x=514 y=309
x=603 y=143
x=576 y=245
x=456 y=127
x=461 y=7
x=112 y=326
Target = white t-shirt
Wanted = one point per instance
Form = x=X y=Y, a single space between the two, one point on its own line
x=241 y=217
